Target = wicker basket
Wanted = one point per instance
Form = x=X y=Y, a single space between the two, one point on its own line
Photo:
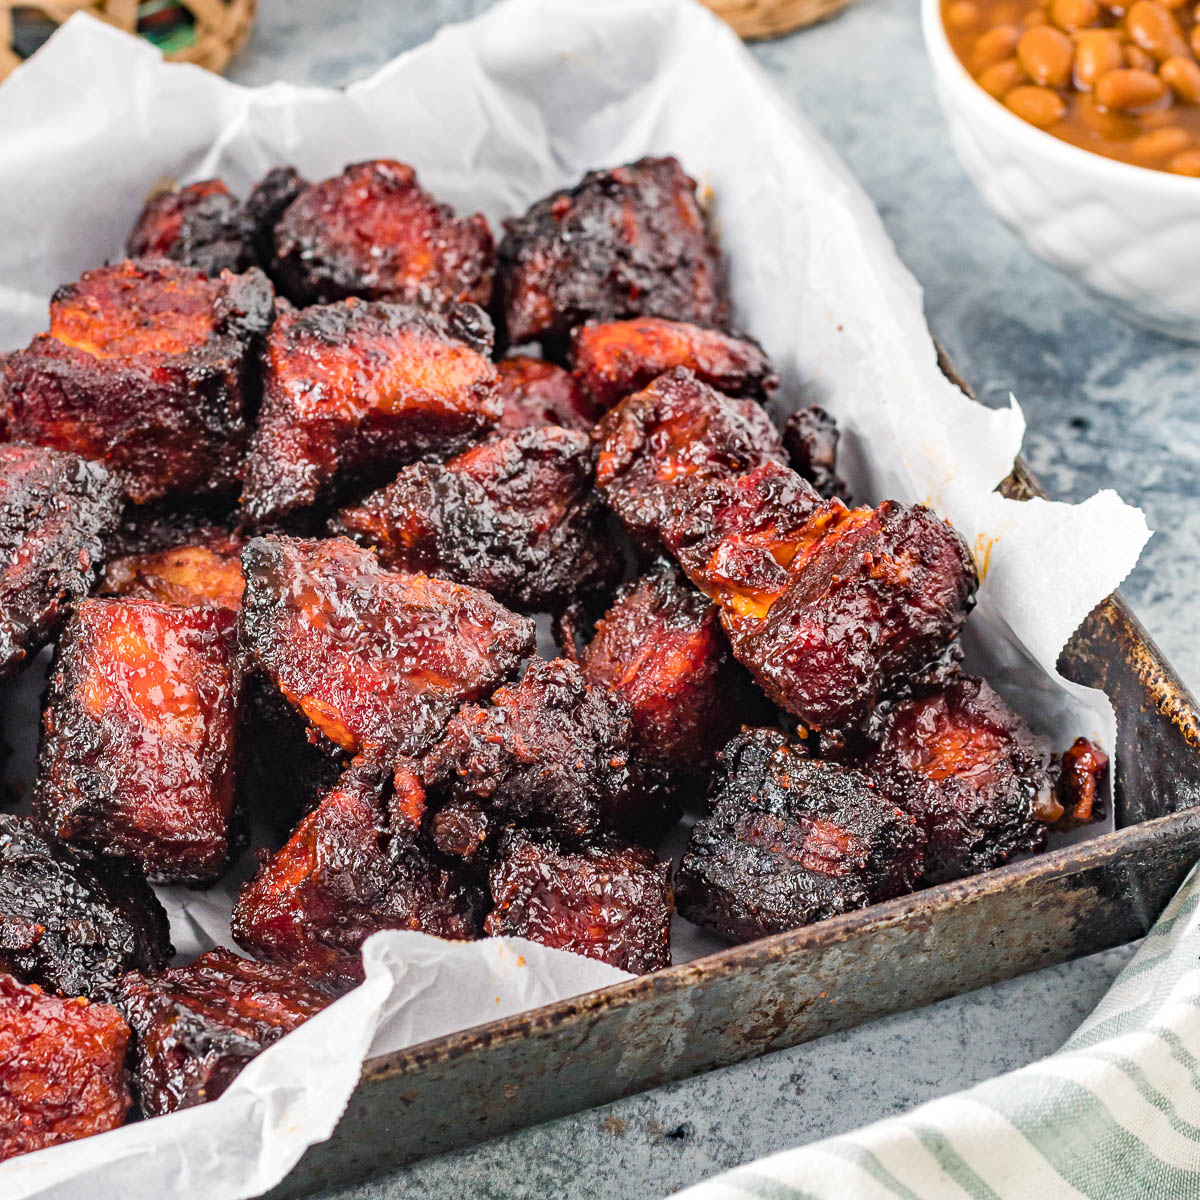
x=219 y=28
x=770 y=18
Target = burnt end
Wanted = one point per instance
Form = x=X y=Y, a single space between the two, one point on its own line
x=148 y=367
x=56 y=513
x=268 y=200
x=373 y=232
x=166 y=524
x=972 y=772
x=536 y=392
x=626 y=242
x=676 y=431
x=196 y=1027
x=661 y=647
x=1081 y=778
x=348 y=872
x=372 y=658
x=790 y=841
x=206 y=570
x=811 y=438
x=609 y=901
x=515 y=516
x=62 y=1074
x=612 y=359
x=68 y=921
x=201 y=225
x=550 y=752
x=139 y=736
x=354 y=391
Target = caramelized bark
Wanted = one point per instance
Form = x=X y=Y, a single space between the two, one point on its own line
x=201 y=225
x=610 y=901
x=353 y=391
x=62 y=1073
x=148 y=367
x=1084 y=766
x=626 y=242
x=661 y=647
x=56 y=512
x=348 y=872
x=68 y=921
x=515 y=516
x=196 y=1027
x=139 y=736
x=268 y=200
x=972 y=772
x=536 y=392
x=372 y=658
x=550 y=752
x=612 y=359
x=790 y=841
x=373 y=232
x=206 y=571
x=811 y=438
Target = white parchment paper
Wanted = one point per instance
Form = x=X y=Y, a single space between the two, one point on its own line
x=493 y=114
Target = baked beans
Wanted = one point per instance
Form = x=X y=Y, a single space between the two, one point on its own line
x=1120 y=79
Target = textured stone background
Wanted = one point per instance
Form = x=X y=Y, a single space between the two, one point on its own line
x=1106 y=406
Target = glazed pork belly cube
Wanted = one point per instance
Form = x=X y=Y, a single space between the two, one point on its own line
x=612 y=359
x=676 y=429
x=373 y=232
x=56 y=513
x=550 y=751
x=354 y=867
x=268 y=200
x=148 y=367
x=201 y=225
x=791 y=840
x=356 y=390
x=70 y=921
x=206 y=570
x=62 y=1072
x=661 y=647
x=811 y=438
x=626 y=242
x=536 y=392
x=372 y=658
x=609 y=900
x=137 y=759
x=515 y=516
x=196 y=1027
x=979 y=780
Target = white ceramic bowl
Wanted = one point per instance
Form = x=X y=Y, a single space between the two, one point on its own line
x=1130 y=234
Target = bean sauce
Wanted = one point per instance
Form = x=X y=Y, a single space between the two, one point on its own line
x=1118 y=78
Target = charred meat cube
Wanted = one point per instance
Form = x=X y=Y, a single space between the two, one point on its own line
x=206 y=570
x=610 y=901
x=373 y=232
x=1084 y=766
x=550 y=752
x=266 y=204
x=138 y=741
x=353 y=391
x=515 y=516
x=69 y=921
x=148 y=367
x=612 y=359
x=347 y=873
x=627 y=242
x=62 y=1072
x=536 y=392
x=972 y=772
x=201 y=225
x=791 y=840
x=196 y=1027
x=811 y=439
x=372 y=658
x=677 y=429
x=56 y=511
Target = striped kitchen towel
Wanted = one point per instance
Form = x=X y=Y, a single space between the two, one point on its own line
x=1114 y=1114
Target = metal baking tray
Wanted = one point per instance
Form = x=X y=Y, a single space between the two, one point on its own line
x=752 y=999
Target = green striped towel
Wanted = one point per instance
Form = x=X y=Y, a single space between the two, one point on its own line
x=1114 y=1114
